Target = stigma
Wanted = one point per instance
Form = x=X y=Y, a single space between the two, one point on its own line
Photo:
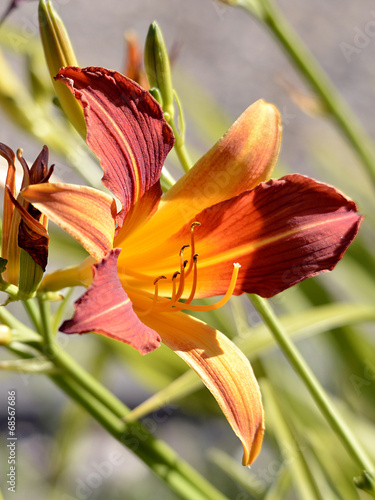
x=178 y=279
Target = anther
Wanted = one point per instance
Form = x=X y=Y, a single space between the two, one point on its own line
x=192 y=243
x=211 y=307
x=182 y=249
x=159 y=278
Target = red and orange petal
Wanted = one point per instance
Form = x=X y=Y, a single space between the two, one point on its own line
x=8 y=209
x=32 y=235
x=241 y=159
x=224 y=370
x=126 y=130
x=280 y=233
x=106 y=309
x=85 y=213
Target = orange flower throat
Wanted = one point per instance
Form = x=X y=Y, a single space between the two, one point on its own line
x=178 y=280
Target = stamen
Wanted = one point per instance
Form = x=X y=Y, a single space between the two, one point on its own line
x=183 y=264
x=160 y=304
x=212 y=307
x=195 y=278
x=192 y=243
x=155 y=298
x=174 y=285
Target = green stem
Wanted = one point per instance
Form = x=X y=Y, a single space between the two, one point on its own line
x=166 y=180
x=163 y=461
x=302 y=58
x=46 y=326
x=22 y=332
x=180 y=148
x=108 y=410
x=33 y=312
x=347 y=438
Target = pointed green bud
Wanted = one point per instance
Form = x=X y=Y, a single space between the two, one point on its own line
x=59 y=53
x=158 y=69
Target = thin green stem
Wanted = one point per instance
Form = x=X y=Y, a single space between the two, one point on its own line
x=21 y=332
x=180 y=148
x=46 y=329
x=11 y=290
x=58 y=316
x=302 y=58
x=163 y=461
x=61 y=359
x=347 y=438
x=108 y=410
x=85 y=380
x=166 y=180
x=33 y=312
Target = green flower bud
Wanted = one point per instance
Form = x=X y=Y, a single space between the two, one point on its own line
x=30 y=274
x=5 y=335
x=59 y=53
x=158 y=69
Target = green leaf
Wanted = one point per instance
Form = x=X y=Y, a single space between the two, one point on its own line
x=304 y=324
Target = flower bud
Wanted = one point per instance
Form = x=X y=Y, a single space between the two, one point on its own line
x=31 y=274
x=5 y=335
x=24 y=236
x=158 y=69
x=59 y=53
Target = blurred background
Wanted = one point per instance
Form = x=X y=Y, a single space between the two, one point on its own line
x=223 y=60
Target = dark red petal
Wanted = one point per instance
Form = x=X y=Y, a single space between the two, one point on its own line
x=106 y=309
x=125 y=129
x=39 y=172
x=32 y=235
x=35 y=244
x=281 y=233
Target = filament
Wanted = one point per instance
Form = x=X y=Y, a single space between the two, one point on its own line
x=178 y=281
x=155 y=298
x=212 y=307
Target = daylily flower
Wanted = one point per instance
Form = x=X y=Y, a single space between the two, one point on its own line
x=24 y=226
x=221 y=230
